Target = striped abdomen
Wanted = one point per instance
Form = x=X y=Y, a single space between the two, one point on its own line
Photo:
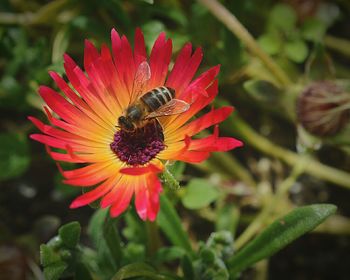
x=158 y=97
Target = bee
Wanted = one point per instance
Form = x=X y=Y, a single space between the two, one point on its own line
x=155 y=103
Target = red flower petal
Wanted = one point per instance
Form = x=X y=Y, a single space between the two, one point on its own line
x=147 y=197
x=93 y=195
x=123 y=59
x=155 y=188
x=90 y=54
x=60 y=105
x=199 y=85
x=102 y=75
x=159 y=60
x=184 y=69
x=193 y=156
x=84 y=87
x=64 y=135
x=48 y=140
x=140 y=170
x=139 y=48
x=173 y=123
x=65 y=157
x=63 y=86
x=89 y=170
x=213 y=117
x=213 y=143
x=116 y=193
x=111 y=79
x=141 y=200
x=122 y=203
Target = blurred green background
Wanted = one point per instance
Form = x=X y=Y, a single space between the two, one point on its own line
x=308 y=39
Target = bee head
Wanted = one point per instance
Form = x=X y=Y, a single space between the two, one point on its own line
x=125 y=123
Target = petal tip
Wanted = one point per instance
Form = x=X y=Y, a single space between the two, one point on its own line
x=76 y=204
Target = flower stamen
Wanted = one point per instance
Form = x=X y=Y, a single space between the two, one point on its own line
x=140 y=146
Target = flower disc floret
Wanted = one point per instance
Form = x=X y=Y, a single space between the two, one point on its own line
x=140 y=146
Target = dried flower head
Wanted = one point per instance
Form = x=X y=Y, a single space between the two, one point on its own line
x=323 y=108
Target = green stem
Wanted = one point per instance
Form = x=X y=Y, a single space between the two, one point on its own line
x=11 y=18
x=243 y=34
x=45 y=15
x=262 y=144
x=170 y=223
x=269 y=208
x=233 y=166
x=112 y=238
x=339 y=225
x=254 y=227
x=226 y=164
x=169 y=180
x=153 y=238
x=337 y=44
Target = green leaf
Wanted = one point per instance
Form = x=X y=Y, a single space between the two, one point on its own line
x=14 y=157
x=170 y=223
x=210 y=265
x=151 y=30
x=82 y=272
x=296 y=51
x=313 y=29
x=279 y=234
x=135 y=228
x=55 y=243
x=134 y=252
x=283 y=16
x=138 y=270
x=227 y=218
x=319 y=65
x=262 y=90
x=329 y=13
x=112 y=238
x=48 y=255
x=222 y=243
x=96 y=223
x=270 y=43
x=60 y=44
x=54 y=271
x=167 y=254
x=149 y=1
x=64 y=191
x=47 y=13
x=108 y=258
x=187 y=267
x=70 y=234
x=199 y=193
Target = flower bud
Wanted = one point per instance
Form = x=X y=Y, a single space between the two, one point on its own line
x=323 y=108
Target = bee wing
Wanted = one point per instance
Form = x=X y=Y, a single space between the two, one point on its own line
x=142 y=75
x=173 y=107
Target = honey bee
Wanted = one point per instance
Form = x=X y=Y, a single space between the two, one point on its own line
x=155 y=103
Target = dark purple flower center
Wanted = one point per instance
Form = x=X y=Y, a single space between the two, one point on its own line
x=140 y=146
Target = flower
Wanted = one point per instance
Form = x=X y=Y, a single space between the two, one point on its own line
x=116 y=162
x=323 y=108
